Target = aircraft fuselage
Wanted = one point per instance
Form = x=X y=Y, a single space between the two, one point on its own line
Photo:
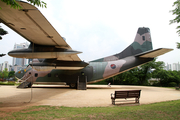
x=94 y=72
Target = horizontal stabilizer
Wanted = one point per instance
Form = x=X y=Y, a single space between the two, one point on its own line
x=153 y=53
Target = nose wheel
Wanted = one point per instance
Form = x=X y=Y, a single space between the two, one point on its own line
x=73 y=85
x=29 y=86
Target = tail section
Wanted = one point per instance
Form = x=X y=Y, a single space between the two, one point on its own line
x=142 y=43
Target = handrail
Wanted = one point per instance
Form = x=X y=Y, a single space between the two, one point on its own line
x=26 y=78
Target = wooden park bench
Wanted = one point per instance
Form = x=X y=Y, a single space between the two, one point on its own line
x=126 y=94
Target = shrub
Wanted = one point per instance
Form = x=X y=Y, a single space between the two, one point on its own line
x=172 y=84
x=156 y=83
x=7 y=83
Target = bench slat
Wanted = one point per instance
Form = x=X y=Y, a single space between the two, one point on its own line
x=126 y=94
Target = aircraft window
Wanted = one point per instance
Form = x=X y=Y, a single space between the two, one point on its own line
x=36 y=75
x=49 y=74
x=56 y=75
x=29 y=72
x=143 y=37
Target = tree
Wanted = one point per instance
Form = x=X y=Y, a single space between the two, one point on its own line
x=0 y=74
x=5 y=73
x=143 y=72
x=11 y=74
x=167 y=77
x=176 y=12
x=15 y=5
x=138 y=75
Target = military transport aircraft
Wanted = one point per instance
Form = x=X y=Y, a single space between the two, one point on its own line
x=57 y=62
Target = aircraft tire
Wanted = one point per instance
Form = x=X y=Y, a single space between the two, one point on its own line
x=73 y=85
x=29 y=86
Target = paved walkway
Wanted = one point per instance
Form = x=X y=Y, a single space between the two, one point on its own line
x=94 y=96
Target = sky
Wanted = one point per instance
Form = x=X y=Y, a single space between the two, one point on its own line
x=100 y=28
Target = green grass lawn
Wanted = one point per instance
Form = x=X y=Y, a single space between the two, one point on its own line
x=157 y=111
x=9 y=83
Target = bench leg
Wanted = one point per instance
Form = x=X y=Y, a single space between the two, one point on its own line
x=113 y=101
x=137 y=100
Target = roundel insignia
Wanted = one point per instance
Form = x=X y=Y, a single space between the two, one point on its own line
x=113 y=66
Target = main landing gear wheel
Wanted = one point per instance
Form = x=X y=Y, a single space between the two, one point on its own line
x=29 y=86
x=73 y=85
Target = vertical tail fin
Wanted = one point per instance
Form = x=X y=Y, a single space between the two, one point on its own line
x=142 y=43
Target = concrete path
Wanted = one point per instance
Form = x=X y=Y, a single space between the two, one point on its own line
x=94 y=96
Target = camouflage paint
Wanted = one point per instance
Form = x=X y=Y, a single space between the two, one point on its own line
x=98 y=69
x=52 y=76
x=112 y=65
x=22 y=73
x=142 y=43
x=102 y=68
x=66 y=59
x=109 y=69
x=29 y=74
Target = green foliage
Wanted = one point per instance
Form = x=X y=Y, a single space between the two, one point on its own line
x=172 y=84
x=176 y=12
x=157 y=111
x=1 y=74
x=167 y=77
x=156 y=83
x=5 y=73
x=39 y=3
x=7 y=83
x=178 y=45
x=141 y=74
x=11 y=74
x=15 y=5
x=138 y=75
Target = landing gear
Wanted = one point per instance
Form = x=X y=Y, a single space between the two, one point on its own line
x=73 y=85
x=29 y=86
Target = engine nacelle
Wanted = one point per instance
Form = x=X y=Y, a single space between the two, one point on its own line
x=42 y=51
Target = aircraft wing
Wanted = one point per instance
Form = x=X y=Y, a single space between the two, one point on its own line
x=33 y=26
x=154 y=53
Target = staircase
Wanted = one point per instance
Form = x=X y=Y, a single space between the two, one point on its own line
x=24 y=85
x=81 y=83
x=82 y=86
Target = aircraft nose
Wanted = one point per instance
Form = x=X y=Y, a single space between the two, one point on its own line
x=19 y=74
